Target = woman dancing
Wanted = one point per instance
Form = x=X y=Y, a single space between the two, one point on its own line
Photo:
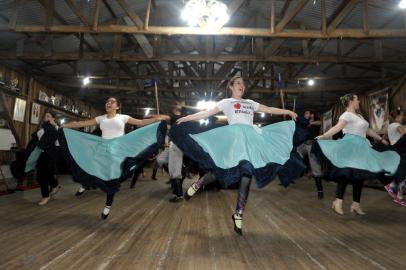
x=397 y=139
x=352 y=159
x=41 y=153
x=238 y=151
x=105 y=162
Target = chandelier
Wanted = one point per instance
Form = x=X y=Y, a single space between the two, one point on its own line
x=205 y=13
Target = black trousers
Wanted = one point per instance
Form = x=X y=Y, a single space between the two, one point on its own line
x=109 y=199
x=46 y=169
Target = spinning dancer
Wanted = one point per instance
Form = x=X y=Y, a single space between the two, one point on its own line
x=352 y=159
x=107 y=161
x=240 y=150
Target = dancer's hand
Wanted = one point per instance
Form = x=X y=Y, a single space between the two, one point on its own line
x=181 y=120
x=321 y=137
x=161 y=117
x=293 y=115
x=385 y=142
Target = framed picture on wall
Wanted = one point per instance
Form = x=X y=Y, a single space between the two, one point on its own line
x=19 y=110
x=35 y=112
x=379 y=111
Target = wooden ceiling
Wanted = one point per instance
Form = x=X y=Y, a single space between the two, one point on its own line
x=345 y=45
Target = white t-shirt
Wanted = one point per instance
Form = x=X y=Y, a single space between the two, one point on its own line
x=393 y=133
x=356 y=124
x=238 y=111
x=113 y=127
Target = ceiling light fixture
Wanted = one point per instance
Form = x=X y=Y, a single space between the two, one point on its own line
x=402 y=4
x=86 y=80
x=205 y=13
x=310 y=82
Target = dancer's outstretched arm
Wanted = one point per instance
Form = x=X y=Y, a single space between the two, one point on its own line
x=333 y=131
x=144 y=122
x=277 y=111
x=80 y=124
x=199 y=115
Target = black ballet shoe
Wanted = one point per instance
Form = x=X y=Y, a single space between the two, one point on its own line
x=176 y=199
x=154 y=178
x=168 y=182
x=236 y=229
x=320 y=195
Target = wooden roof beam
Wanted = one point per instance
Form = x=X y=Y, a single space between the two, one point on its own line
x=77 y=12
x=134 y=18
x=96 y=15
x=288 y=17
x=74 y=56
x=343 y=11
x=225 y=31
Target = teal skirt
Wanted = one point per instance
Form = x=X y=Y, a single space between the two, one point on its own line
x=238 y=150
x=354 y=158
x=102 y=163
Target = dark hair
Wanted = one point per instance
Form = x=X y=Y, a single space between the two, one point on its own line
x=52 y=113
x=345 y=100
x=395 y=113
x=232 y=80
x=117 y=101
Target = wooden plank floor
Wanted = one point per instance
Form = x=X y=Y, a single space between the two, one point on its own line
x=284 y=229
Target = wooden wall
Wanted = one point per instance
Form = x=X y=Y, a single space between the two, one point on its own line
x=30 y=89
x=399 y=97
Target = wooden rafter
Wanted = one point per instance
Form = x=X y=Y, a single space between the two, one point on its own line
x=288 y=17
x=118 y=88
x=365 y=23
x=133 y=18
x=63 y=21
x=13 y=19
x=272 y=16
x=50 y=6
x=77 y=12
x=210 y=77
x=96 y=15
x=147 y=14
x=323 y=16
x=343 y=11
x=102 y=56
x=225 y=31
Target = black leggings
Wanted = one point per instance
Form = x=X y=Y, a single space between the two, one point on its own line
x=356 y=189
x=243 y=190
x=46 y=174
x=136 y=175
x=109 y=199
